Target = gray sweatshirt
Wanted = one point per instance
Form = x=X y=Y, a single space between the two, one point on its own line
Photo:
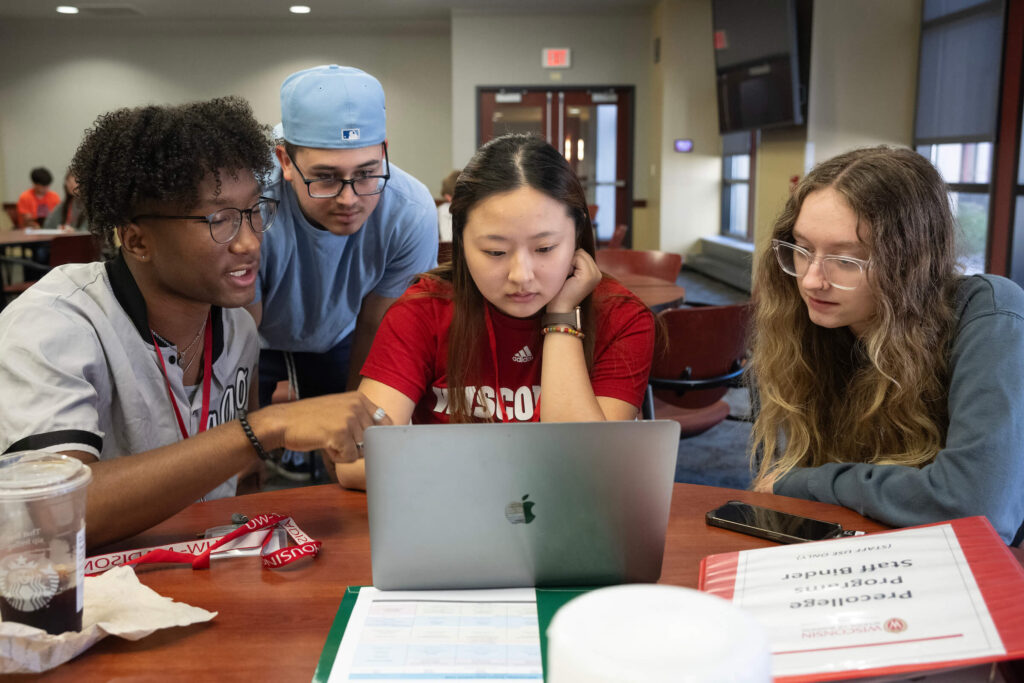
x=981 y=469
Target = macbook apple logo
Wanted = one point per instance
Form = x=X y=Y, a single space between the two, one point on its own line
x=520 y=512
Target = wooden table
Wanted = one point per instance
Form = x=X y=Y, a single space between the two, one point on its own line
x=653 y=291
x=13 y=269
x=23 y=238
x=272 y=624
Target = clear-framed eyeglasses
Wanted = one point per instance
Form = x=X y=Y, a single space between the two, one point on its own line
x=225 y=223
x=842 y=272
x=363 y=184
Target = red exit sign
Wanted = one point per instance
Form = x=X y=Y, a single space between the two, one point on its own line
x=557 y=58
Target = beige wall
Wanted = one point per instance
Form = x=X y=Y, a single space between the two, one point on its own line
x=863 y=74
x=862 y=90
x=780 y=157
x=647 y=235
x=5 y=222
x=53 y=83
x=689 y=184
x=505 y=49
x=864 y=62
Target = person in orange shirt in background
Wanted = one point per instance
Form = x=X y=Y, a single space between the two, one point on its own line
x=35 y=204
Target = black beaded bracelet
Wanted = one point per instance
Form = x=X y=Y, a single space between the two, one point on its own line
x=253 y=440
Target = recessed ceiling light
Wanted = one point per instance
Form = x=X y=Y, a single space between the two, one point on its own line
x=67 y=9
x=299 y=9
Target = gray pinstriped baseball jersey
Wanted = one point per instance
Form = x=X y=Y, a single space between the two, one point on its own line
x=78 y=370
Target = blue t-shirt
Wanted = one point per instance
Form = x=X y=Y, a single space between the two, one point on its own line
x=312 y=283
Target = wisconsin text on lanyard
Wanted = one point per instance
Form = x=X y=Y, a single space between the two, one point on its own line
x=257 y=532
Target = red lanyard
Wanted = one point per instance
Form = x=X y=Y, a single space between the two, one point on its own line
x=198 y=553
x=207 y=378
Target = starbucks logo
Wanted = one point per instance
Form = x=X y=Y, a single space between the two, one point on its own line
x=28 y=584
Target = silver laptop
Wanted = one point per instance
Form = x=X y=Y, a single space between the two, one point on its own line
x=527 y=504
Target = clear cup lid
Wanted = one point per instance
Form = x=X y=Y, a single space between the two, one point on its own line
x=38 y=474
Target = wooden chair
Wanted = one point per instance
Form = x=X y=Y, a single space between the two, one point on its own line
x=12 y=213
x=63 y=249
x=618 y=237
x=617 y=240
x=705 y=356
x=660 y=264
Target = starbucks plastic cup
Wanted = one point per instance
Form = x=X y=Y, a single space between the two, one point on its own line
x=42 y=540
x=648 y=632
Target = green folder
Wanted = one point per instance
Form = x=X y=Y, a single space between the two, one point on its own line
x=549 y=600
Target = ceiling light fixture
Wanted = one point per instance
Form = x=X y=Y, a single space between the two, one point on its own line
x=67 y=9
x=299 y=9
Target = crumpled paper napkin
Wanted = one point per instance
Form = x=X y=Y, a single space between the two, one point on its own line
x=115 y=603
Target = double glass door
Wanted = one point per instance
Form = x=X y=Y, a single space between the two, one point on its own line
x=591 y=127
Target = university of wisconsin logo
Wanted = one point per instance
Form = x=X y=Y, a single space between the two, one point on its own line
x=520 y=403
x=895 y=625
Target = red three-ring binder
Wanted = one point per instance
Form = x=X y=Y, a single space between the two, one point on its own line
x=999 y=576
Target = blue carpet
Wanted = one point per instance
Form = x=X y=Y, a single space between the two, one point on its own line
x=718 y=457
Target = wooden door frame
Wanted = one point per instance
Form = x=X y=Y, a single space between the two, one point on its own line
x=625 y=155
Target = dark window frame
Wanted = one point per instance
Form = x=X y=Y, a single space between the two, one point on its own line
x=995 y=256
x=1006 y=249
x=728 y=183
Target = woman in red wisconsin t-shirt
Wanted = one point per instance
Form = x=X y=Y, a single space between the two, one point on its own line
x=521 y=314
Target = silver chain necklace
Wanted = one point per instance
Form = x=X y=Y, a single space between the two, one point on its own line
x=189 y=364
x=185 y=351
x=182 y=352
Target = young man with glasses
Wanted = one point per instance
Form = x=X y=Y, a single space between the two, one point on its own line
x=353 y=230
x=151 y=355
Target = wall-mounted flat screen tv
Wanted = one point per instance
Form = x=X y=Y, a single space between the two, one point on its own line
x=762 y=57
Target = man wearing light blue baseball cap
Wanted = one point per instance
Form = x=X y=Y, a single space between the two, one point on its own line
x=351 y=231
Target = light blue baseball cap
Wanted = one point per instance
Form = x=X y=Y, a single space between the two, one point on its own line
x=333 y=107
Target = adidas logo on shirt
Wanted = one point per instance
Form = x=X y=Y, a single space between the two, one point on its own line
x=523 y=355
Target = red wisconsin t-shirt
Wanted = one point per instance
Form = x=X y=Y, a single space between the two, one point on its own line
x=410 y=354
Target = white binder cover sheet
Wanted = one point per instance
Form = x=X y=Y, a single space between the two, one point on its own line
x=468 y=635
x=869 y=602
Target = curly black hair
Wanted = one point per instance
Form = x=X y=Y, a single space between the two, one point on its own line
x=41 y=176
x=133 y=158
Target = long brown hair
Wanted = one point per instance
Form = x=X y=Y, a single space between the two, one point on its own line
x=880 y=399
x=503 y=165
x=68 y=204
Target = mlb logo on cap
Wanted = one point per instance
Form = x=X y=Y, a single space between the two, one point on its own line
x=318 y=103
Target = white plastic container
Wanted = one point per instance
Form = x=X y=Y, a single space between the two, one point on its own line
x=42 y=539
x=649 y=632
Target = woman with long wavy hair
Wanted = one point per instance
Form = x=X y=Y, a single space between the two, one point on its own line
x=888 y=382
x=521 y=325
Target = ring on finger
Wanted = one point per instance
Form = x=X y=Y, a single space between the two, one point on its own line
x=359 y=444
x=379 y=415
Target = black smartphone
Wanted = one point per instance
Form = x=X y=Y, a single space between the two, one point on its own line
x=772 y=524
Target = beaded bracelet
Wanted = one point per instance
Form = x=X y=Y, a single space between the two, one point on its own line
x=564 y=329
x=260 y=451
